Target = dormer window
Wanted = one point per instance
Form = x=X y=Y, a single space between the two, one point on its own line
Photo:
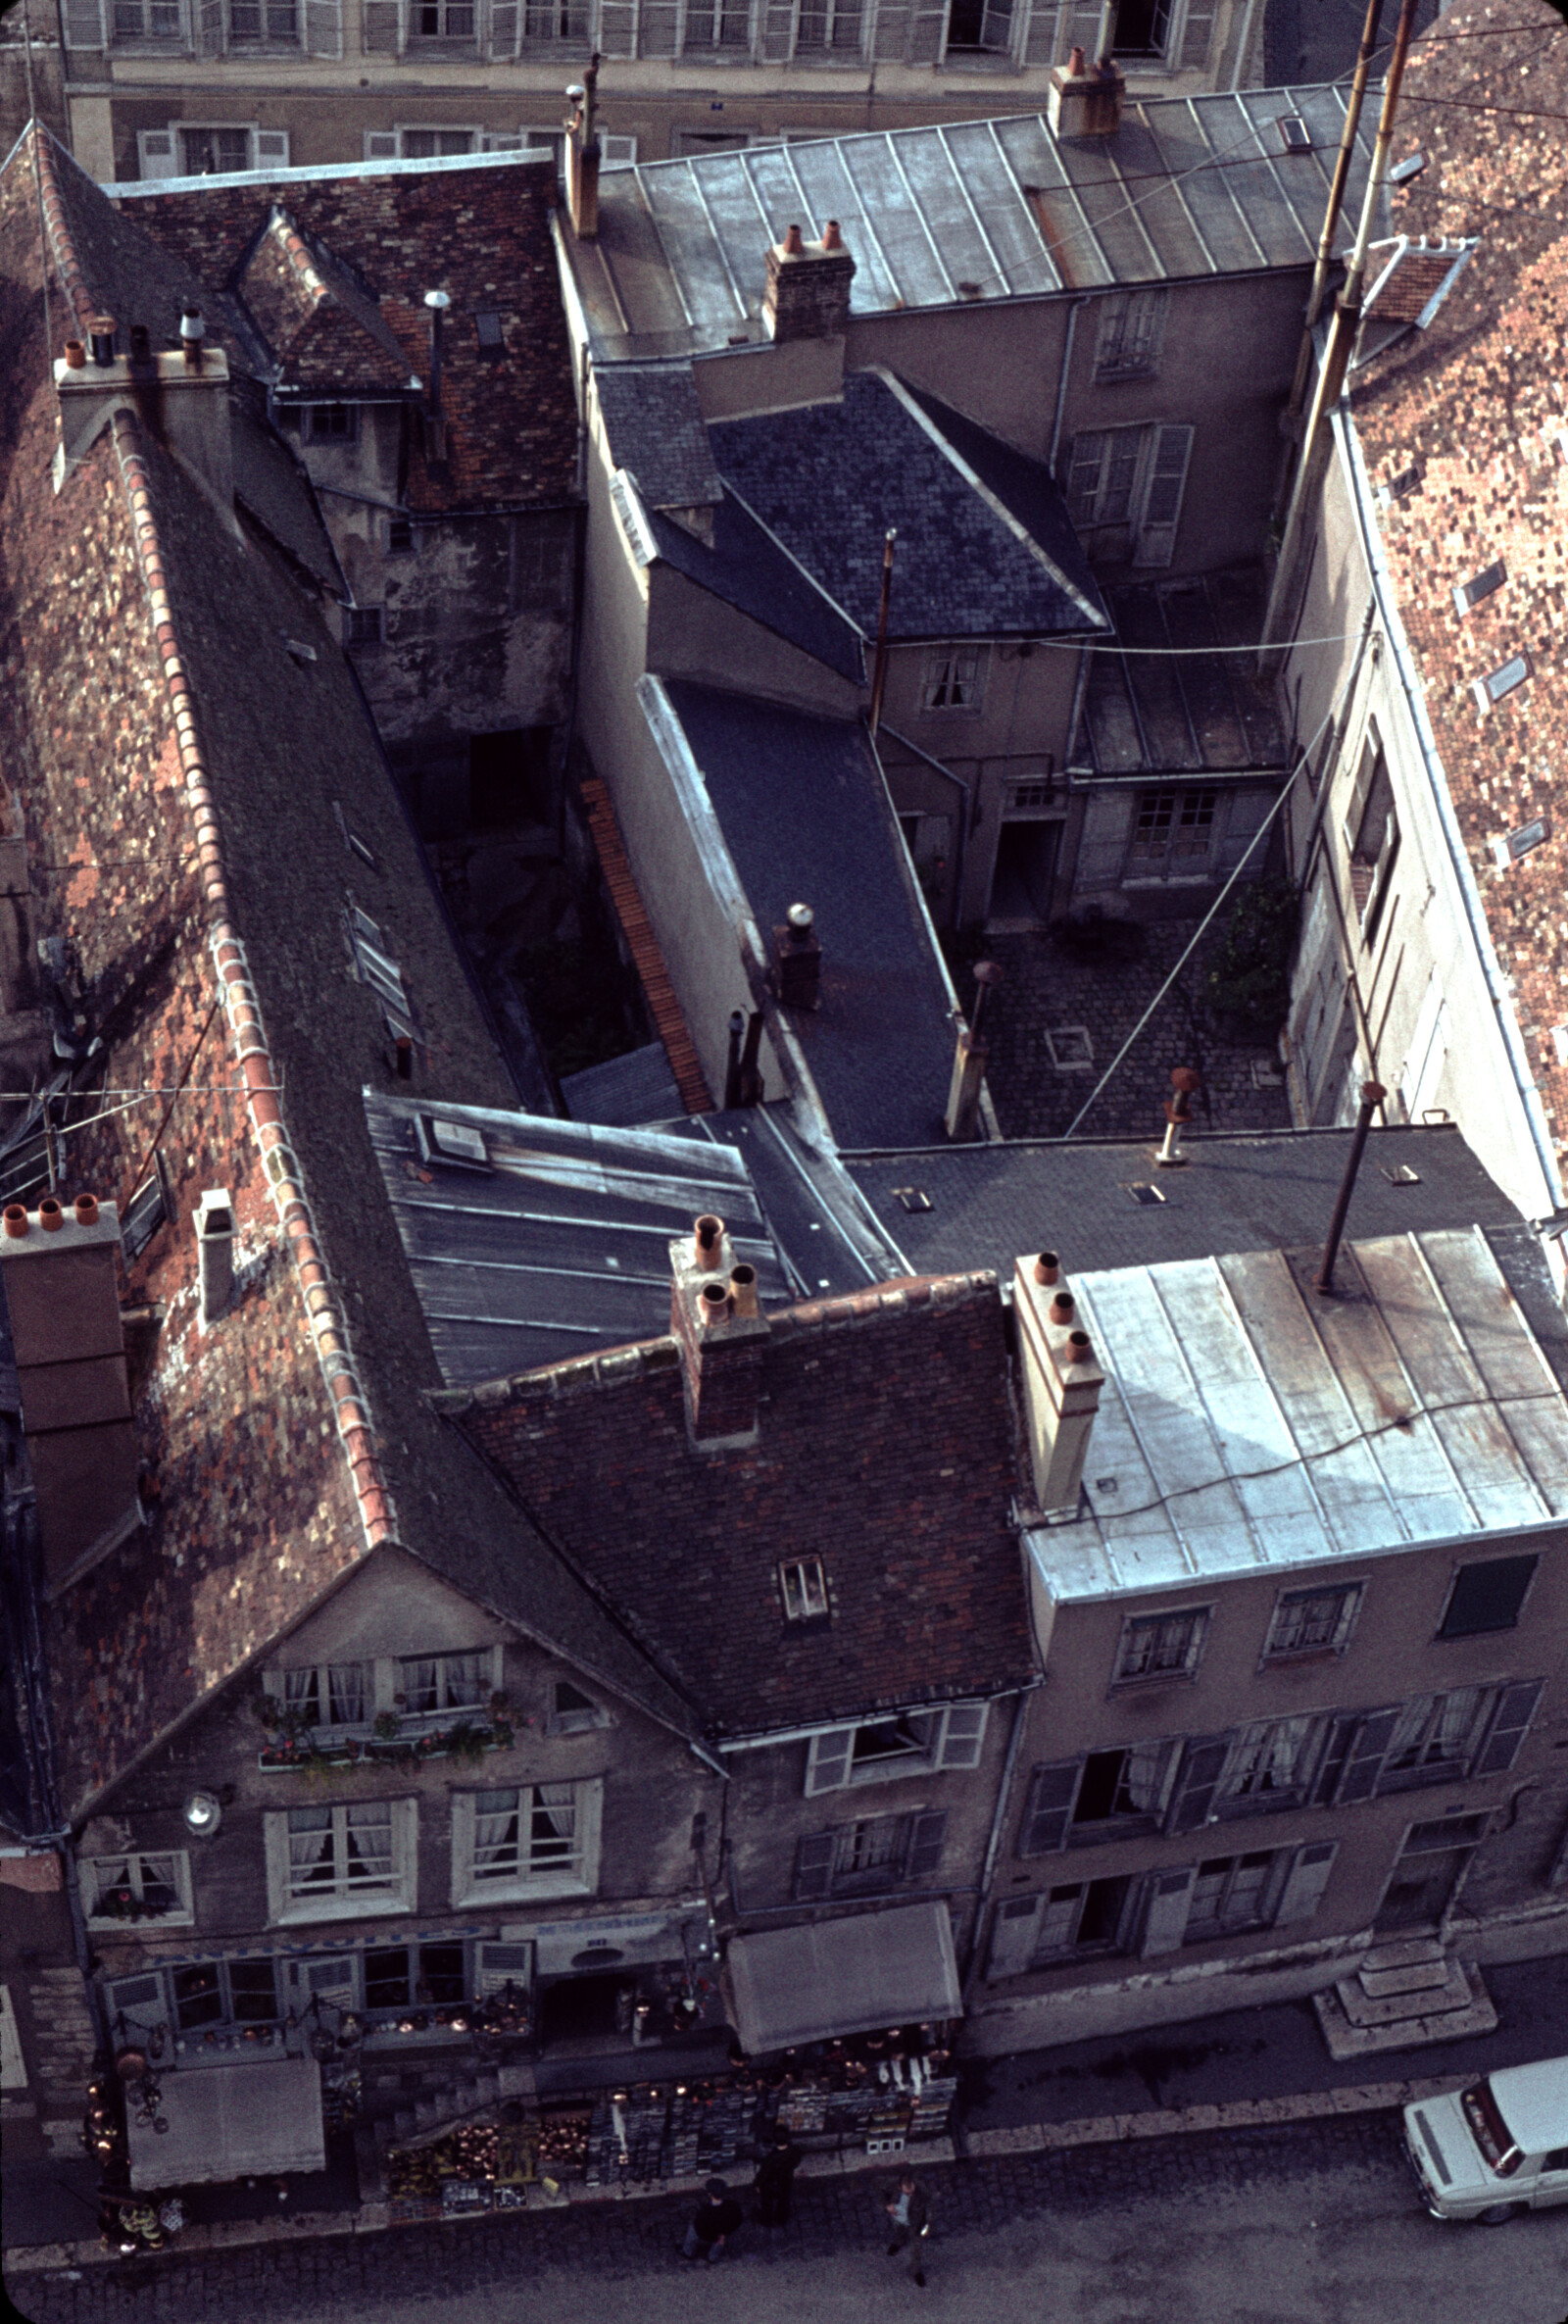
x=907 y=1743
x=803 y=1586
x=456 y=1144
x=574 y=1711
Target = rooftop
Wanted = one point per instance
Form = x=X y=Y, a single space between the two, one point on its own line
x=1162 y=705
x=966 y=212
x=749 y=568
x=1246 y=1421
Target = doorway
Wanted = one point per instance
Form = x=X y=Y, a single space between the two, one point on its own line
x=1025 y=873
x=1421 y=1889
x=585 y=2008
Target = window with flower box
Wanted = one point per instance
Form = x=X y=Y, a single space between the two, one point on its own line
x=380 y=1707
x=141 y=1885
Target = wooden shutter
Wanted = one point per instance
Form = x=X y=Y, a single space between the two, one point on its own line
x=1198 y=31
x=963 y=1733
x=1051 y=1792
x=1014 y=1934
x=496 y=1964
x=1306 y=1882
x=813 y=1866
x=1364 y=1762
x=776 y=21
x=1167 y=1899
x=331 y=1980
x=83 y=22
x=323 y=27
x=1197 y=1781
x=590 y=1807
x=997 y=27
x=385 y=27
x=209 y=27
x=271 y=149
x=275 y=1842
x=618 y=27
x=1516 y=1706
x=1042 y=21
x=660 y=27
x=925 y=1843
x=1162 y=496
x=155 y=153
x=502 y=24
x=827 y=1763
x=928 y=32
x=1488 y=1597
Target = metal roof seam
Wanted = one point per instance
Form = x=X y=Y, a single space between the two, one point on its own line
x=1000 y=270
x=1214 y=159
x=1058 y=283
x=1162 y=1501
x=1134 y=209
x=719 y=243
x=663 y=249
x=1228 y=1474
x=919 y=212
x=1256 y=1354
x=1462 y=1340
x=883 y=260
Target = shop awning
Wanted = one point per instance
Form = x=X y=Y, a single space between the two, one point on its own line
x=231 y=2122
x=853 y=1976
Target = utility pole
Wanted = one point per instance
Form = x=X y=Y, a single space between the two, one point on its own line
x=1331 y=215
x=1337 y=355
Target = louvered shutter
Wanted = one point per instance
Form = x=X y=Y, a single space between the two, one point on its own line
x=385 y=27
x=1364 y=1761
x=813 y=1867
x=827 y=1763
x=618 y=27
x=155 y=153
x=925 y=1843
x=1516 y=1709
x=928 y=33
x=997 y=28
x=963 y=1733
x=497 y=1965
x=1082 y=28
x=331 y=1982
x=776 y=21
x=271 y=149
x=1162 y=500
x=323 y=27
x=1308 y=1877
x=1013 y=1937
x=661 y=26
x=209 y=17
x=1052 y=1794
x=1198 y=33
x=1197 y=1781
x=1168 y=1896
x=1042 y=22
x=83 y=21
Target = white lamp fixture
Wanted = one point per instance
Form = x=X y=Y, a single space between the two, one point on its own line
x=202 y=1814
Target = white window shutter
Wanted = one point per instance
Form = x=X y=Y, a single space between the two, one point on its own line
x=776 y=22
x=590 y=1803
x=1308 y=1877
x=385 y=27
x=323 y=27
x=406 y=1848
x=1169 y=1895
x=380 y=145
x=1013 y=1933
x=963 y=1733
x=461 y=1846
x=209 y=19
x=928 y=32
x=1162 y=498
x=1198 y=31
x=618 y=153
x=505 y=24
x=618 y=27
x=274 y=1840
x=827 y=1763
x=1041 y=24
x=998 y=24
x=83 y=21
x=271 y=149
x=155 y=153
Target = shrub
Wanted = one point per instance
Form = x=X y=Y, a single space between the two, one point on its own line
x=1248 y=975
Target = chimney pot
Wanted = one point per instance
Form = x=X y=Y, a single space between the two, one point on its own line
x=1063 y=1307
x=743 y=1290
x=1048 y=1266
x=1061 y=1384
x=791 y=244
x=15 y=1218
x=141 y=345
x=709 y=1238
x=720 y=1331
x=50 y=1215
x=832 y=239
x=1076 y=66
x=192 y=331
x=75 y=356
x=87 y=1209
x=101 y=331
x=713 y=1304
x=806 y=295
x=1078 y=1347
x=800 y=959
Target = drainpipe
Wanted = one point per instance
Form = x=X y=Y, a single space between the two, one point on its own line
x=936 y=768
x=1061 y=385
x=994 y=1845
x=1342 y=172
x=1373 y=1094
x=879 y=667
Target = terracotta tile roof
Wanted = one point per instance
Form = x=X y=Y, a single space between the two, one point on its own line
x=1475 y=407
x=324 y=331
x=180 y=774
x=1404 y=277
x=384 y=235
x=885 y=1448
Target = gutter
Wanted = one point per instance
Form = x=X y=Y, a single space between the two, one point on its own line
x=1342 y=424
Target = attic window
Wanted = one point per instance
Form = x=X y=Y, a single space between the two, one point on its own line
x=299 y=652
x=362 y=625
x=454 y=1143
x=1403 y=482
x=913 y=1197
x=1402 y=172
x=491 y=335
x=803 y=1586
x=1402 y=1174
x=1502 y=682
x=1144 y=1195
x=1071 y=1048
x=1528 y=836
x=145 y=1214
x=399 y=535
x=1294 y=134
x=374 y=967
x=330 y=423
x=575 y=1713
x=1468 y=595
x=351 y=840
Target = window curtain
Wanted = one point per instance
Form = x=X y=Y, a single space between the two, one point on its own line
x=420 y=1685
x=463 y=1677
x=495 y=1835
x=300 y=1691
x=552 y=1827
x=1142 y=1778
x=344 y=1686
x=368 y=1844
x=310 y=1849
x=1456 y=1718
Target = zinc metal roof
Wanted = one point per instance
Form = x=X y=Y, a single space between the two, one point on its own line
x=963 y=212
x=1247 y=1422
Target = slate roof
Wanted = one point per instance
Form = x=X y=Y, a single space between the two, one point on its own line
x=964 y=214
x=654 y=428
x=1248 y=1191
x=830 y=479
x=750 y=569
x=885 y=1448
x=804 y=814
x=1151 y=710
x=173 y=754
x=378 y=235
x=1467 y=416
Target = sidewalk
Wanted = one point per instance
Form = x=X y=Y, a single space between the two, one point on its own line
x=1249 y=2068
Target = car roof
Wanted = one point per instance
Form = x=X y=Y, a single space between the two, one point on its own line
x=1533 y=2102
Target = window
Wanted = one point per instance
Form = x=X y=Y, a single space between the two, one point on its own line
x=1024 y=798
x=826 y=24
x=1123 y=1788
x=863 y=1859
x=539 y=1839
x=1501 y=682
x=1081 y=1916
x=977 y=25
x=375 y=967
x=1433 y=1732
x=1173 y=837
x=1468 y=595
x=1468 y=1732
x=718 y=23
x=397 y=1976
x=145 y=1213
x=433 y=1683
x=490 y=333
x=13 y=2065
x=399 y=536
x=952 y=677
x=146 y=20
x=327 y=1695
x=362 y=625
x=333 y=1861
x=1270 y=1763
x=1142 y=27
x=913 y=1743
x=330 y=423
x=1126 y=485
x=441 y=19
x=555 y=20
x=210 y=153
x=1371 y=835
x=1161 y=1646
x=225 y=1992
x=1132 y=324
x=1230 y=1893
x=1525 y=839
x=1312 y=1621
x=803 y=1586
x=276 y=21
x=575 y=1713
x=136 y=1886
x=1488 y=1597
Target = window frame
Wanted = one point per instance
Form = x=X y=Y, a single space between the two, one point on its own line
x=116 y=35
x=1275 y=1865
x=1528 y=1559
x=443 y=36
x=95 y=1886
x=1141 y=315
x=265 y=37
x=1208 y=805
x=811 y=1588
x=1201 y=1617
x=1350 y=1595
x=954 y=1743
x=223 y=128
x=312 y=430
x=586 y=1717
x=1112 y=484
x=914 y=1840
x=1256 y=1739
x=829 y=49
x=470 y=1892
x=347 y=1899
x=939 y=671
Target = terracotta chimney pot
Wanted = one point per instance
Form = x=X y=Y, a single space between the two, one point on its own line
x=707 y=1241
x=16 y=1221
x=1078 y=1348
x=713 y=1304
x=742 y=1290
x=1063 y=1307
x=50 y=1215
x=832 y=239
x=792 y=245
x=87 y=1209
x=1048 y=1266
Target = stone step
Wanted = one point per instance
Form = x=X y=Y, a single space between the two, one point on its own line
x=1346 y=2041
x=1404 y=1954
x=1420 y=1977
x=1364 y=2008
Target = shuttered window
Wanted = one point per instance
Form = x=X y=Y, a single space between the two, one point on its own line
x=910 y=1742
x=870 y=1856
x=1488 y=1597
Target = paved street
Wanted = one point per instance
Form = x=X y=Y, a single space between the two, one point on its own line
x=1309 y=2224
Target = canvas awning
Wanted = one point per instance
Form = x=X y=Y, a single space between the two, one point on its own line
x=852 y=1976
x=231 y=2122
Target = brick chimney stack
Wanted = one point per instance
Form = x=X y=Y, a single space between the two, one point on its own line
x=808 y=290
x=582 y=154
x=1061 y=1382
x=62 y=1294
x=720 y=1331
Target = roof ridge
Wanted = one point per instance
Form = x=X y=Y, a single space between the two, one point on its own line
x=252 y=1051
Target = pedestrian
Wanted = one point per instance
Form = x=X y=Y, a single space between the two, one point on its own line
x=713 y=2224
x=775 y=2182
x=911 y=2214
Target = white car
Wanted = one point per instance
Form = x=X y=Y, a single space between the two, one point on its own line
x=1497 y=2147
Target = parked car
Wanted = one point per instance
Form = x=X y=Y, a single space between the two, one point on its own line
x=1497 y=2147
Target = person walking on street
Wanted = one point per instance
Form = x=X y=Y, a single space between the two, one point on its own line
x=716 y=2220
x=911 y=2214
x=775 y=2182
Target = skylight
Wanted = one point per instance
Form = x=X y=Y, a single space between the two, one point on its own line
x=1468 y=595
x=1501 y=682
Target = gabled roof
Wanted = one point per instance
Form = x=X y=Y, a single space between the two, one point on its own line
x=829 y=479
x=750 y=569
x=1463 y=435
x=194 y=753
x=325 y=334
x=964 y=214
x=885 y=1448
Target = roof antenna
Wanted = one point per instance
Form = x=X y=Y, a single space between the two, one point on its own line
x=1373 y=1094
